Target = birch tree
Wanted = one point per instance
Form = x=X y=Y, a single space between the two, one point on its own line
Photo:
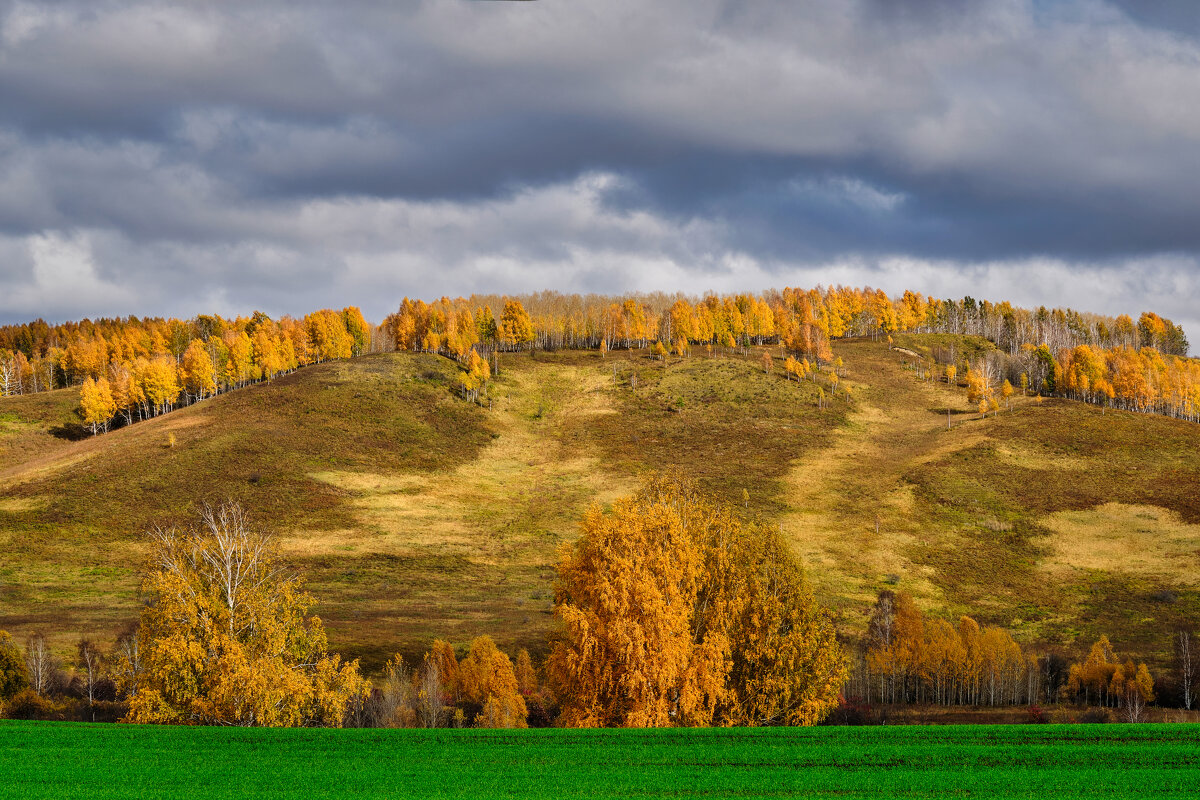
x=226 y=637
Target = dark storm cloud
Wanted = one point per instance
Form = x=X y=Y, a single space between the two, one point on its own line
x=157 y=158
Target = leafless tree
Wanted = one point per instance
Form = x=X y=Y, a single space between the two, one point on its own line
x=430 y=711
x=91 y=660
x=879 y=634
x=397 y=698
x=128 y=666
x=1133 y=705
x=8 y=373
x=40 y=664
x=1184 y=649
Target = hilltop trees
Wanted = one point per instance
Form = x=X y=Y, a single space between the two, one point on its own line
x=226 y=637
x=516 y=328
x=675 y=613
x=149 y=366
x=1112 y=361
x=96 y=404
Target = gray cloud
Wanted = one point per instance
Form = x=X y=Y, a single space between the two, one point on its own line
x=279 y=156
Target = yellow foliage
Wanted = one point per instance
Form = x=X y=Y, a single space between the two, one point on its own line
x=675 y=613
x=226 y=638
x=527 y=680
x=486 y=678
x=96 y=404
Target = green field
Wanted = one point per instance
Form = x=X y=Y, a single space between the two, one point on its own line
x=1049 y=761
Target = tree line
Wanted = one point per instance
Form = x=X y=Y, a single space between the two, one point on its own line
x=134 y=369
x=908 y=658
x=1144 y=380
x=1112 y=361
x=804 y=321
x=143 y=367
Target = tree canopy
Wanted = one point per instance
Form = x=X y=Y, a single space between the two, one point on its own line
x=676 y=613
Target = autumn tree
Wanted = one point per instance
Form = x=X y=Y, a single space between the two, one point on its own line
x=14 y=676
x=476 y=376
x=96 y=404
x=358 y=330
x=626 y=596
x=1092 y=677
x=487 y=680
x=675 y=613
x=196 y=368
x=527 y=679
x=516 y=328
x=1134 y=688
x=786 y=664
x=226 y=637
x=767 y=363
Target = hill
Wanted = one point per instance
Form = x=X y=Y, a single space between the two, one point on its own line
x=414 y=514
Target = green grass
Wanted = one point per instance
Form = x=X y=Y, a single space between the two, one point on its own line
x=1080 y=761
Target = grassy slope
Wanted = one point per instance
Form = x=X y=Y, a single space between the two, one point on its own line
x=416 y=515
x=87 y=761
x=412 y=513
x=1055 y=519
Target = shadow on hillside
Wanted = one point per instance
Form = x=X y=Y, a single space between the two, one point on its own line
x=72 y=433
x=955 y=412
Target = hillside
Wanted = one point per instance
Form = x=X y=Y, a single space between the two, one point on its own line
x=414 y=514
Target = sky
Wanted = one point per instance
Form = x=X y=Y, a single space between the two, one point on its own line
x=175 y=159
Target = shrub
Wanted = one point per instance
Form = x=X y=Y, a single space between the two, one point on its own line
x=852 y=711
x=29 y=705
x=1094 y=715
x=13 y=675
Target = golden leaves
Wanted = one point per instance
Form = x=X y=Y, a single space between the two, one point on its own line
x=226 y=637
x=674 y=613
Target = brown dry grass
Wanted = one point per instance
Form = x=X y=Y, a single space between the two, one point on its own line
x=1149 y=542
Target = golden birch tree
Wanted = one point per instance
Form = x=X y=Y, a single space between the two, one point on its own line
x=226 y=638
